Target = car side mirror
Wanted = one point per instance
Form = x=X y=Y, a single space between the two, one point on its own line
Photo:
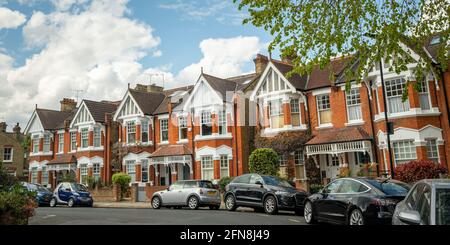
x=410 y=217
x=67 y=189
x=259 y=183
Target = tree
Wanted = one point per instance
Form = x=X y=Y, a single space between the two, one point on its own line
x=312 y=32
x=264 y=161
x=122 y=180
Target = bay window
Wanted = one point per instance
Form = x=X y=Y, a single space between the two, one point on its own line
x=206 y=128
x=131 y=170
x=222 y=122
x=353 y=99
x=182 y=128
x=131 y=132
x=97 y=137
x=276 y=114
x=224 y=166
x=96 y=171
x=295 y=112
x=404 y=151
x=394 y=92
x=83 y=173
x=164 y=129
x=84 y=138
x=35 y=143
x=73 y=141
x=47 y=141
x=432 y=150
x=61 y=142
x=424 y=96
x=207 y=165
x=323 y=108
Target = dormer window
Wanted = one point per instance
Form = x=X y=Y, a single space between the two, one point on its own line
x=353 y=99
x=206 y=125
x=276 y=114
x=131 y=132
x=324 y=108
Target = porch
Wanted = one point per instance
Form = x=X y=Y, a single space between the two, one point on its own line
x=60 y=169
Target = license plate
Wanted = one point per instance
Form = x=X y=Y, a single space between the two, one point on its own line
x=211 y=193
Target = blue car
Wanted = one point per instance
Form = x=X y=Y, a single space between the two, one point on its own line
x=43 y=195
x=71 y=194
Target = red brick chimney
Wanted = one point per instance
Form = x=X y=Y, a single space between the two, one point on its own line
x=16 y=129
x=68 y=105
x=3 y=127
x=261 y=62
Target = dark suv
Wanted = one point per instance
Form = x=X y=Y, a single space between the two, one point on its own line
x=263 y=192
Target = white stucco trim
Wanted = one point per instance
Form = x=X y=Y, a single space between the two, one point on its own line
x=214 y=152
x=321 y=91
x=90 y=161
x=136 y=157
x=418 y=135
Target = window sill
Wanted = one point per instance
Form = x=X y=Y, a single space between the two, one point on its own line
x=41 y=154
x=286 y=128
x=91 y=148
x=325 y=126
x=163 y=143
x=413 y=112
x=354 y=123
x=213 y=137
x=184 y=141
x=7 y=161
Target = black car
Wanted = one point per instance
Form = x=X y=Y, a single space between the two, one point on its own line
x=356 y=201
x=263 y=192
x=43 y=195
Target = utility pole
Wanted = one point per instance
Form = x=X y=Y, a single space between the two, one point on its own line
x=389 y=126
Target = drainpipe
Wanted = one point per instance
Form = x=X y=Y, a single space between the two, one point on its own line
x=235 y=135
x=375 y=148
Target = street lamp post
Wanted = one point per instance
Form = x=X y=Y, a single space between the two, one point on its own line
x=388 y=124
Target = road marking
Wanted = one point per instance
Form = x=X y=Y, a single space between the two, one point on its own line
x=294 y=220
x=48 y=216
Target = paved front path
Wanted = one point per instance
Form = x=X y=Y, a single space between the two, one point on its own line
x=164 y=216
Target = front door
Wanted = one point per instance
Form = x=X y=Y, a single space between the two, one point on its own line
x=333 y=167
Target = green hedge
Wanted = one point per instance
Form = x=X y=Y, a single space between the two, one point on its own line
x=264 y=161
x=123 y=180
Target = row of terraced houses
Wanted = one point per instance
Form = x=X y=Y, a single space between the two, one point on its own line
x=208 y=130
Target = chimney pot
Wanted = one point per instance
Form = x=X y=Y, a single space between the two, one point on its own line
x=261 y=62
x=68 y=105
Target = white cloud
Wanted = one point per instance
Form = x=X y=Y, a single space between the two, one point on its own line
x=96 y=50
x=11 y=19
x=222 y=57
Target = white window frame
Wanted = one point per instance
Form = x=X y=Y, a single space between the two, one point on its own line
x=96 y=173
x=145 y=128
x=44 y=180
x=207 y=165
x=84 y=138
x=275 y=111
x=222 y=122
x=144 y=164
x=400 y=151
x=299 y=157
x=163 y=129
x=35 y=141
x=97 y=137
x=61 y=142
x=182 y=124
x=131 y=129
x=425 y=91
x=84 y=173
x=47 y=143
x=394 y=91
x=282 y=161
x=130 y=166
x=319 y=104
x=73 y=141
x=34 y=175
x=206 y=119
x=224 y=166
x=353 y=100
x=11 y=154
x=432 y=150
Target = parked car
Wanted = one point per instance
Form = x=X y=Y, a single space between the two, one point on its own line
x=356 y=201
x=263 y=192
x=43 y=195
x=427 y=203
x=71 y=194
x=190 y=193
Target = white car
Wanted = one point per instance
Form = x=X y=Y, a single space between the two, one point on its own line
x=188 y=193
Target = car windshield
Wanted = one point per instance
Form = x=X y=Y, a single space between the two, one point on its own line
x=206 y=184
x=38 y=188
x=78 y=187
x=442 y=206
x=269 y=180
x=391 y=188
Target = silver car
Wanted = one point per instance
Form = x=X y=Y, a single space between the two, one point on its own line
x=190 y=193
x=427 y=203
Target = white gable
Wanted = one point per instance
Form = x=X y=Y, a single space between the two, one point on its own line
x=128 y=108
x=272 y=81
x=82 y=117
x=34 y=125
x=203 y=95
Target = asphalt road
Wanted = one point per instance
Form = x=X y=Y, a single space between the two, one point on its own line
x=164 y=216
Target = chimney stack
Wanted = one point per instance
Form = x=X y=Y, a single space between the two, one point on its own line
x=148 y=88
x=68 y=105
x=16 y=129
x=3 y=127
x=261 y=62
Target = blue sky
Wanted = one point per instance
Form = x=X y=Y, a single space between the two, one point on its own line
x=48 y=48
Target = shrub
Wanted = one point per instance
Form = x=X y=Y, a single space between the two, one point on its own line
x=224 y=182
x=417 y=170
x=264 y=161
x=91 y=183
x=123 y=180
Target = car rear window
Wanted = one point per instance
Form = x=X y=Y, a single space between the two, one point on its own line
x=390 y=188
x=442 y=206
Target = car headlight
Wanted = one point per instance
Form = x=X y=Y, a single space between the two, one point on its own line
x=284 y=193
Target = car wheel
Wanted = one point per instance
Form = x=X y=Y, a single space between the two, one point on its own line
x=193 y=202
x=230 y=203
x=214 y=207
x=270 y=205
x=53 y=202
x=71 y=203
x=308 y=213
x=156 y=203
x=299 y=212
x=356 y=217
